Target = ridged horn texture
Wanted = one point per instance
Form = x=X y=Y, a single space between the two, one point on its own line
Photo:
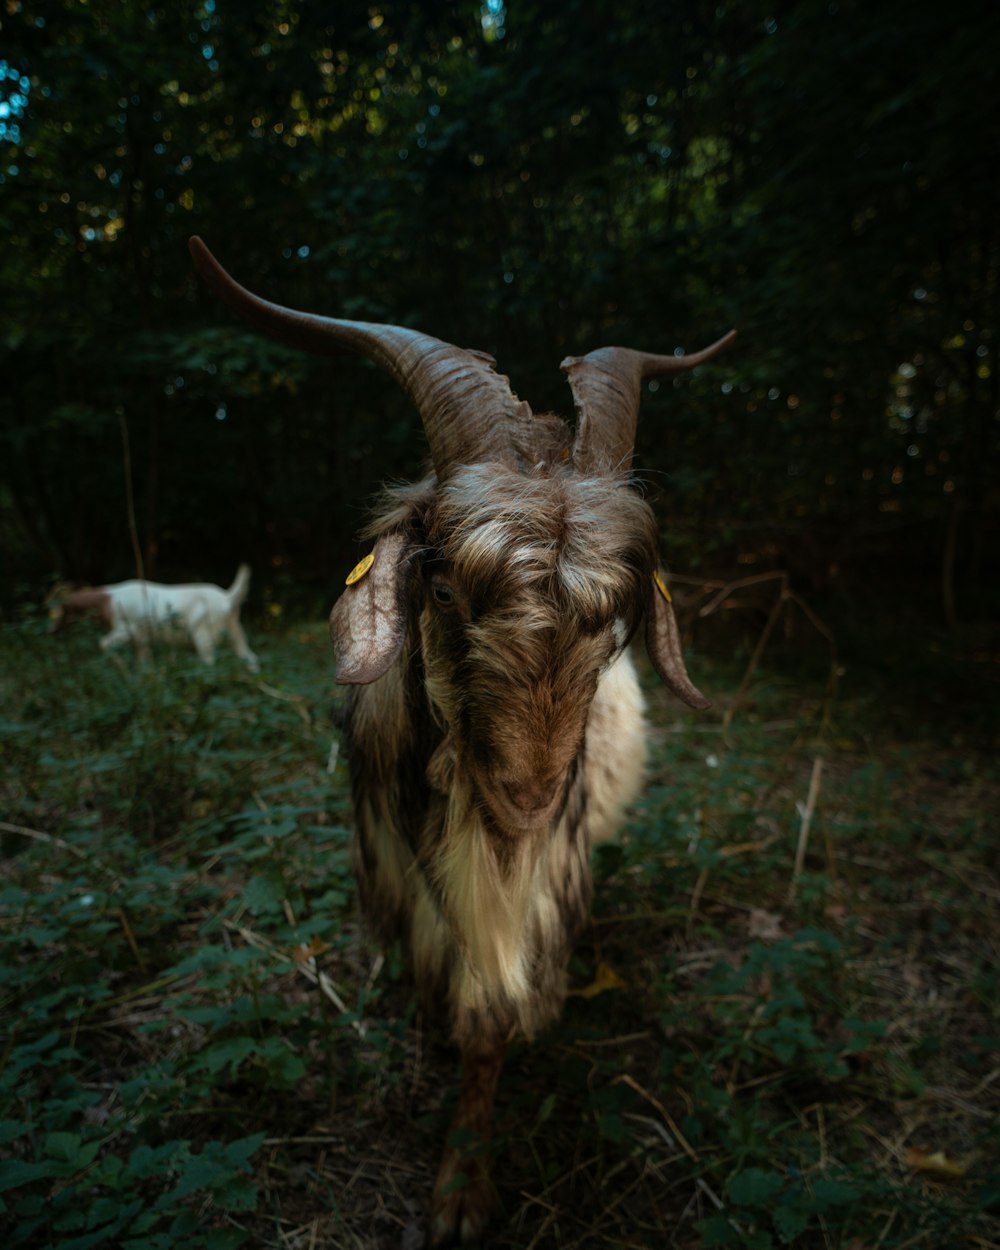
x=606 y=386
x=468 y=410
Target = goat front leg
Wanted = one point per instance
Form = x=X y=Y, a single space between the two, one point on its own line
x=121 y=636
x=240 y=645
x=463 y=1194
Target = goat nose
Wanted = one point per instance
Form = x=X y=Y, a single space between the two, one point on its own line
x=533 y=797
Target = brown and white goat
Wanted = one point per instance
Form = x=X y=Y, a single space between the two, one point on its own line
x=495 y=722
x=141 y=612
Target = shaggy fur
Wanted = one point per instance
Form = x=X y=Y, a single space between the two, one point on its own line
x=506 y=738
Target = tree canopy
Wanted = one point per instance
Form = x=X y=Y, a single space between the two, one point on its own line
x=527 y=179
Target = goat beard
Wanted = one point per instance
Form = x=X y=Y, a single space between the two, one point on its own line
x=488 y=883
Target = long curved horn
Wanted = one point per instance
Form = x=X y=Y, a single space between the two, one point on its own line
x=469 y=412
x=606 y=386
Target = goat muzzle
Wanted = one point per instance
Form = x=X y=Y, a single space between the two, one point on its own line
x=524 y=806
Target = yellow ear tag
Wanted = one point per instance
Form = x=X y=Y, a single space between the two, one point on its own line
x=661 y=586
x=360 y=569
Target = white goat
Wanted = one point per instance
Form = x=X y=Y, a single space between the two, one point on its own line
x=141 y=612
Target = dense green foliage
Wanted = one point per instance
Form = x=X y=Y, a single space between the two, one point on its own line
x=822 y=175
x=754 y=1054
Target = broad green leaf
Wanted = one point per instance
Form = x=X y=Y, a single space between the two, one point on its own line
x=754 y=1187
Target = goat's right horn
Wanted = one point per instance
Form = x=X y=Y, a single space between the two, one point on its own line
x=606 y=386
x=468 y=410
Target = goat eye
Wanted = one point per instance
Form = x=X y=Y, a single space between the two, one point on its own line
x=443 y=595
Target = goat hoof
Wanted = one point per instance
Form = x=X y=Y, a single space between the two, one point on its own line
x=463 y=1201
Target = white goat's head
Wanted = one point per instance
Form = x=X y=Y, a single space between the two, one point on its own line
x=520 y=568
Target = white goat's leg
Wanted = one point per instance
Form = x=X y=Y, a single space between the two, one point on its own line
x=122 y=635
x=241 y=646
x=118 y=637
x=463 y=1194
x=204 y=643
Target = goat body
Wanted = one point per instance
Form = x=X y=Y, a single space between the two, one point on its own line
x=476 y=859
x=142 y=612
x=496 y=726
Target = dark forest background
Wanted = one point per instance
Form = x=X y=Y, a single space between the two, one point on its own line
x=533 y=180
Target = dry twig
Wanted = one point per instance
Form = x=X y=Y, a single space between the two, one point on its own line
x=306 y=966
x=807 y=814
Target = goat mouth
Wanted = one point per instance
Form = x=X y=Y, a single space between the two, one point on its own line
x=522 y=809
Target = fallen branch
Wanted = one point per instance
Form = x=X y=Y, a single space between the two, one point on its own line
x=719 y=594
x=39 y=836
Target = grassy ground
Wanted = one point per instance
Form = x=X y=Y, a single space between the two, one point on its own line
x=784 y=1022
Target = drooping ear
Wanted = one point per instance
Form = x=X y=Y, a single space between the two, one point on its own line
x=663 y=642
x=368 y=621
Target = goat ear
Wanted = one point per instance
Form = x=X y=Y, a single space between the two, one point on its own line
x=368 y=621
x=663 y=642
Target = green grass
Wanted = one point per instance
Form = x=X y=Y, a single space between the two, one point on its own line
x=199 y=1049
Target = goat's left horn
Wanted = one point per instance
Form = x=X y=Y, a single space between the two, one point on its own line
x=606 y=385
x=468 y=410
